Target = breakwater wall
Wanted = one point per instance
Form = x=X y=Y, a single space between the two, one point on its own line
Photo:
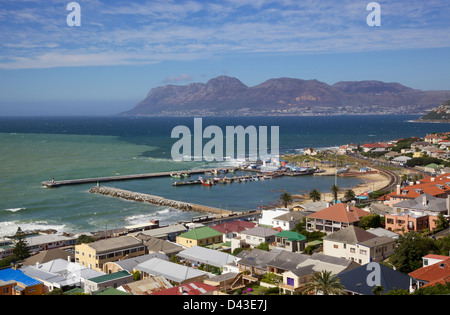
x=155 y=200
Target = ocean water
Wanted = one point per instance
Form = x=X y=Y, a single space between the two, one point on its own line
x=37 y=149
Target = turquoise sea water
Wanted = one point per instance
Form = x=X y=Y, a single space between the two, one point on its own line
x=33 y=150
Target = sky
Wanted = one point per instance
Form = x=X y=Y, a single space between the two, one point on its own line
x=123 y=49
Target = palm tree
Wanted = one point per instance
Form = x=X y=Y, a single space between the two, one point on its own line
x=349 y=195
x=286 y=198
x=335 y=191
x=325 y=283
x=314 y=195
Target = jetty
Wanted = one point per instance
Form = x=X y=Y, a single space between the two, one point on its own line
x=155 y=200
x=55 y=184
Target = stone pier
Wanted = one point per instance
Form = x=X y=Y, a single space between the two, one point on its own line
x=155 y=200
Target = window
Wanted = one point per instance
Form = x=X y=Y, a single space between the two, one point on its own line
x=335 y=246
x=290 y=281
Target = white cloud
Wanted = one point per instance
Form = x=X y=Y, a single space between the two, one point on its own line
x=135 y=32
x=178 y=78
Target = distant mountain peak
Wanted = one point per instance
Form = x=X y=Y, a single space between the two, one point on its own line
x=225 y=95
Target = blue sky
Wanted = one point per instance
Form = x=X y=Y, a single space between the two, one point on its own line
x=124 y=48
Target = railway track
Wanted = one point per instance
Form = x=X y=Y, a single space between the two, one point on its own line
x=394 y=179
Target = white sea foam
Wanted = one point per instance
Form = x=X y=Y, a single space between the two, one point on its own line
x=10 y=228
x=15 y=209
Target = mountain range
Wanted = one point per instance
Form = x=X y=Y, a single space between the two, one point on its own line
x=227 y=96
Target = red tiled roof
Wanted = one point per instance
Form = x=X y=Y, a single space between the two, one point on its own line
x=436 y=273
x=434 y=187
x=375 y=145
x=235 y=226
x=339 y=213
x=193 y=288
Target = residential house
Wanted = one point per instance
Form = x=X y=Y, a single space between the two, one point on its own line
x=433 y=138
x=192 y=289
x=358 y=245
x=402 y=160
x=175 y=273
x=288 y=221
x=391 y=155
x=254 y=262
x=130 y=263
x=417 y=214
x=49 y=255
x=309 y=207
x=200 y=237
x=435 y=186
x=226 y=281
x=49 y=280
x=168 y=233
x=290 y=241
x=146 y=286
x=6 y=247
x=356 y=281
x=371 y=146
x=73 y=273
x=419 y=145
x=254 y=237
x=383 y=232
x=199 y=255
x=7 y=287
x=95 y=255
x=408 y=221
x=432 y=259
x=296 y=278
x=14 y=282
x=112 y=280
x=268 y=215
x=157 y=245
x=42 y=242
x=310 y=151
x=431 y=275
x=334 y=218
x=233 y=229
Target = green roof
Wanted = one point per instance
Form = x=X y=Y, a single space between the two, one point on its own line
x=110 y=291
x=111 y=276
x=201 y=233
x=291 y=236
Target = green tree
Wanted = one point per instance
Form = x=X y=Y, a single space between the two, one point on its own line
x=21 y=250
x=263 y=246
x=84 y=239
x=314 y=195
x=442 y=222
x=443 y=245
x=286 y=198
x=349 y=195
x=378 y=290
x=326 y=283
x=136 y=275
x=370 y=221
x=335 y=190
x=411 y=248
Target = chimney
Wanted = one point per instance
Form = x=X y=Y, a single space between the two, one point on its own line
x=398 y=189
x=424 y=200
x=432 y=179
x=348 y=207
x=69 y=259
